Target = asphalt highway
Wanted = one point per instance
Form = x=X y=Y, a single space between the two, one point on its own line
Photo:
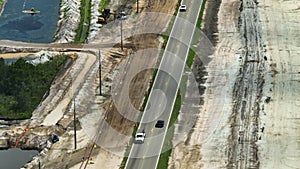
x=165 y=87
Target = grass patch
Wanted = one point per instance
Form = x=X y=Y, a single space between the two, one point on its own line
x=82 y=31
x=1 y=3
x=149 y=90
x=23 y=85
x=176 y=110
x=196 y=37
x=164 y=157
x=190 y=59
x=103 y=4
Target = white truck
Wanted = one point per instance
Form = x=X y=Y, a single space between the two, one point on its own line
x=140 y=137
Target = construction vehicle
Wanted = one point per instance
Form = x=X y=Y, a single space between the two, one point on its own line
x=102 y=19
x=55 y=138
x=32 y=11
x=122 y=15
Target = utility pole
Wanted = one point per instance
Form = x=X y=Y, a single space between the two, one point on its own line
x=137 y=6
x=75 y=141
x=121 y=35
x=100 y=84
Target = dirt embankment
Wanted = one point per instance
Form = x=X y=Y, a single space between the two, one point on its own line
x=247 y=92
x=210 y=20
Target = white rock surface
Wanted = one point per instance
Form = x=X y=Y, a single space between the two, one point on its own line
x=68 y=22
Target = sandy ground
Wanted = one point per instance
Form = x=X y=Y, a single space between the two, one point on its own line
x=55 y=115
x=14 y=55
x=280 y=144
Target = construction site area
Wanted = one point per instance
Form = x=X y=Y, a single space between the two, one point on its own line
x=243 y=113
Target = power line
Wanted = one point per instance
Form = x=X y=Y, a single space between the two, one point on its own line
x=100 y=84
x=75 y=140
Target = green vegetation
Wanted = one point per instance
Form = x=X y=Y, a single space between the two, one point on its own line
x=149 y=90
x=190 y=59
x=1 y=3
x=82 y=31
x=164 y=157
x=23 y=85
x=103 y=4
x=196 y=37
x=167 y=147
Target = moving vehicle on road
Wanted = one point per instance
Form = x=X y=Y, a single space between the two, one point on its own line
x=160 y=124
x=140 y=137
x=182 y=8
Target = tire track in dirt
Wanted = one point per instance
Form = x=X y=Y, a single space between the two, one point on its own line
x=247 y=92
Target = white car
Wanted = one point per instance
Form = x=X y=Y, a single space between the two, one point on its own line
x=122 y=15
x=182 y=8
x=140 y=137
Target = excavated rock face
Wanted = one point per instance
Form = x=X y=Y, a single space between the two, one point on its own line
x=29 y=142
x=68 y=22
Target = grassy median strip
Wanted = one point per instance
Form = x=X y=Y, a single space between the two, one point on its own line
x=167 y=147
x=192 y=54
x=83 y=29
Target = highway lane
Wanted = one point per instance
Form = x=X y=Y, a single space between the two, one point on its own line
x=164 y=91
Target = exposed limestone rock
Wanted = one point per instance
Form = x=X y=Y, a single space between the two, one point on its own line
x=68 y=22
x=94 y=26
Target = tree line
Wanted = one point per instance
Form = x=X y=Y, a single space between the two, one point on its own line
x=23 y=85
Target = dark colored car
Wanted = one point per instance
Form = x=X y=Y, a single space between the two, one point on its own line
x=160 y=124
x=55 y=138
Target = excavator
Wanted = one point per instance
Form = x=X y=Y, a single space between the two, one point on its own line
x=102 y=19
